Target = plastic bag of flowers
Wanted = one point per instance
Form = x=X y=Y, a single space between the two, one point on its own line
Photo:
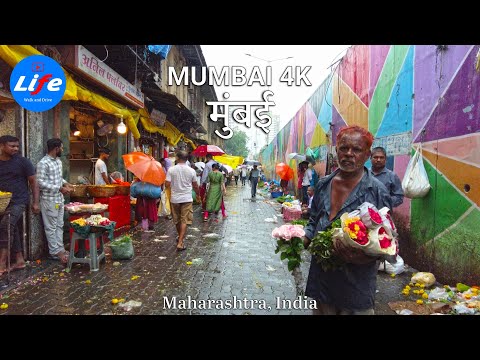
x=122 y=248
x=366 y=229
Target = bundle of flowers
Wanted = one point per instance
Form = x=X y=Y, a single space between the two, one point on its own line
x=290 y=246
x=365 y=228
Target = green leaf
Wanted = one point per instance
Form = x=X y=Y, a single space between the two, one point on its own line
x=283 y=256
x=292 y=265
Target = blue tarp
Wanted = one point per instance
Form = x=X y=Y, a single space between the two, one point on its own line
x=160 y=49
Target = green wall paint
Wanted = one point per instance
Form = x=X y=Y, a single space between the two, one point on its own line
x=392 y=67
x=438 y=210
x=457 y=252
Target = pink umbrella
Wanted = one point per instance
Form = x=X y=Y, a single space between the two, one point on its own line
x=203 y=150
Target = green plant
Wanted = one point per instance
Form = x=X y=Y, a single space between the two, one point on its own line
x=322 y=248
x=302 y=222
x=291 y=251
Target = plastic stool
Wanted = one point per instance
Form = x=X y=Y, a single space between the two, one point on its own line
x=95 y=257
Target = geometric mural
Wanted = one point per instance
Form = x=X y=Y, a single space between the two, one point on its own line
x=426 y=93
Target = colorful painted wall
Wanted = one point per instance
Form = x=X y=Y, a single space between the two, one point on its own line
x=406 y=96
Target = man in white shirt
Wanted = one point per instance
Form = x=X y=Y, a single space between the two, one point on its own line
x=101 y=172
x=243 y=174
x=181 y=179
x=307 y=178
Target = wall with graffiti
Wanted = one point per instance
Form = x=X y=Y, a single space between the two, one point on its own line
x=408 y=95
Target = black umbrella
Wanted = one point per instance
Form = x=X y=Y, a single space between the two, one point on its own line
x=252 y=162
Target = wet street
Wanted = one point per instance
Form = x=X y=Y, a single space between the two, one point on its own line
x=228 y=262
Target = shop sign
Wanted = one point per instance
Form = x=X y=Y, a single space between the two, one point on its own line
x=158 y=117
x=103 y=74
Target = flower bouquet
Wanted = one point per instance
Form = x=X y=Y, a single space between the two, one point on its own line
x=290 y=246
x=365 y=228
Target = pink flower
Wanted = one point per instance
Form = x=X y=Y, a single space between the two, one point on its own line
x=286 y=232
x=375 y=216
x=391 y=222
x=385 y=242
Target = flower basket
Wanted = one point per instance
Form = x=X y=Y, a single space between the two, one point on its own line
x=122 y=190
x=101 y=190
x=276 y=194
x=290 y=213
x=79 y=191
x=4 y=201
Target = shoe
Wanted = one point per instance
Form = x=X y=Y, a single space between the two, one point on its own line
x=181 y=248
x=205 y=219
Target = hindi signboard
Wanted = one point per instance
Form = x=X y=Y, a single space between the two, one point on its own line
x=98 y=71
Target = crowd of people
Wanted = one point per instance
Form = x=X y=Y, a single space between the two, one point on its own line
x=348 y=290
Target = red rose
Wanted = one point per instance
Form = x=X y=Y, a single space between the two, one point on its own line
x=375 y=216
x=385 y=242
x=362 y=238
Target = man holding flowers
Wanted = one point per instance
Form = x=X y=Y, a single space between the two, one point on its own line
x=351 y=288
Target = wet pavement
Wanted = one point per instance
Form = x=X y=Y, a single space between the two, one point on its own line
x=234 y=271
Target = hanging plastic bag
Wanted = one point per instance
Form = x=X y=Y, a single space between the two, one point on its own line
x=163 y=209
x=415 y=182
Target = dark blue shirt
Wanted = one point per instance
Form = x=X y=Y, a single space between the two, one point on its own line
x=14 y=175
x=393 y=184
x=353 y=286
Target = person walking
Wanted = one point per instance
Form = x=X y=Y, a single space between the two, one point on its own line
x=254 y=174
x=216 y=190
x=350 y=289
x=243 y=174
x=52 y=188
x=306 y=182
x=236 y=174
x=181 y=179
x=16 y=173
x=386 y=176
x=101 y=172
x=203 y=187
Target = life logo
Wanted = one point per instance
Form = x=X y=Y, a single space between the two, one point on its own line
x=38 y=83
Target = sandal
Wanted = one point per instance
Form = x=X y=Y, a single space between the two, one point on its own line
x=181 y=248
x=62 y=256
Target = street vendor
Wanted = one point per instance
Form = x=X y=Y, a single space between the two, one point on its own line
x=350 y=289
x=101 y=172
x=117 y=178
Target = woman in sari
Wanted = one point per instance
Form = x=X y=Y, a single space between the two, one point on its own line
x=216 y=189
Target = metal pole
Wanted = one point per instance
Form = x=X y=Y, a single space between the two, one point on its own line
x=8 y=247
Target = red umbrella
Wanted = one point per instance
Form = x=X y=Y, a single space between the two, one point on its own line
x=284 y=171
x=203 y=150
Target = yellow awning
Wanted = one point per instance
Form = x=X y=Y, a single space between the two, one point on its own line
x=13 y=54
x=229 y=160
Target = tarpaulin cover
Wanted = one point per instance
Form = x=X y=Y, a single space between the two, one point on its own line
x=229 y=160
